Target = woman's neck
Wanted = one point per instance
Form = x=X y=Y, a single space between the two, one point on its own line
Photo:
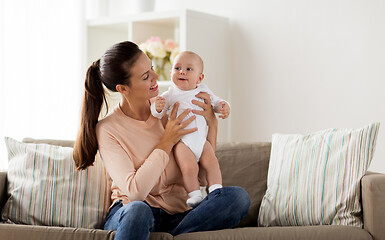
x=139 y=110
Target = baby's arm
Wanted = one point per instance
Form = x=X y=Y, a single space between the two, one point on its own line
x=160 y=104
x=158 y=107
x=220 y=106
x=224 y=109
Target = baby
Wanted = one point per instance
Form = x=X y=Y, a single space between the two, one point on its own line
x=187 y=75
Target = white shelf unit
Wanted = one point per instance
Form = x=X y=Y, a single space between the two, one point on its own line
x=205 y=34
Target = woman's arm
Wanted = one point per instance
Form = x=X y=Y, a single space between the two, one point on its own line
x=136 y=183
x=133 y=181
x=212 y=135
x=210 y=117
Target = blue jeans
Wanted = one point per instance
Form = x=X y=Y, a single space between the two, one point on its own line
x=222 y=208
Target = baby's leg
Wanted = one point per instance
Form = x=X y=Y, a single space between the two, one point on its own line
x=209 y=163
x=189 y=167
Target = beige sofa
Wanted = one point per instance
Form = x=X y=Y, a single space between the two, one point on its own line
x=242 y=164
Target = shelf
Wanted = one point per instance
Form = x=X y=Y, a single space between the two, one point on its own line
x=114 y=23
x=160 y=18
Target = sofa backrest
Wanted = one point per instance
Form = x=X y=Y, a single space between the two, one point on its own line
x=242 y=164
x=246 y=165
x=3 y=189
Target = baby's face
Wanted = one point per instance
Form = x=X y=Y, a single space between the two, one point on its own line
x=186 y=72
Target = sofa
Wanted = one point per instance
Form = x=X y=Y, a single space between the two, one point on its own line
x=242 y=164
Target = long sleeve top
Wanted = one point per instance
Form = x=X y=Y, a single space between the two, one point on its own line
x=138 y=171
x=184 y=97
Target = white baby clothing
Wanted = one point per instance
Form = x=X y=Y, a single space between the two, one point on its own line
x=196 y=140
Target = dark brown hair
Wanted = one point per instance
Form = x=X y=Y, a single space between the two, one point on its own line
x=111 y=69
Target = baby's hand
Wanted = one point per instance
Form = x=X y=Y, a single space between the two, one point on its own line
x=224 y=110
x=160 y=104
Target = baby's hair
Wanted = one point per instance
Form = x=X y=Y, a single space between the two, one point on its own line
x=195 y=55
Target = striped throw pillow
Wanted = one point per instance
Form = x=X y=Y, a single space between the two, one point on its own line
x=314 y=179
x=46 y=189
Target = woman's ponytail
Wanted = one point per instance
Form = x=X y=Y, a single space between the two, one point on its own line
x=112 y=69
x=86 y=144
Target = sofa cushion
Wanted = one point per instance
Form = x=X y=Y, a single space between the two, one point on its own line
x=18 y=231
x=3 y=189
x=245 y=165
x=314 y=179
x=279 y=233
x=46 y=189
x=62 y=143
x=373 y=203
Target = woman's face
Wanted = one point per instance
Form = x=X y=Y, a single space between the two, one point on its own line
x=143 y=79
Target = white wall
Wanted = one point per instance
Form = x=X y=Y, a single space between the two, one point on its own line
x=299 y=66
x=41 y=71
x=303 y=65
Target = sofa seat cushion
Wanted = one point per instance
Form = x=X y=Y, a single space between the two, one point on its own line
x=279 y=233
x=31 y=232
x=19 y=231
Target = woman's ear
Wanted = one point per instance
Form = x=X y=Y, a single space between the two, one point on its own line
x=122 y=88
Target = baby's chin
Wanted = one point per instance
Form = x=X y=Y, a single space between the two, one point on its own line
x=183 y=85
x=184 y=88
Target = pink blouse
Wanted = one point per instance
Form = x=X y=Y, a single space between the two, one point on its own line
x=139 y=172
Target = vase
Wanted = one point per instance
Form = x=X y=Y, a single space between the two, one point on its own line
x=162 y=68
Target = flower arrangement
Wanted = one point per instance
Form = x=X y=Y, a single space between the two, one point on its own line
x=162 y=53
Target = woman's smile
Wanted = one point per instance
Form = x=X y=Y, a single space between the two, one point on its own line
x=154 y=87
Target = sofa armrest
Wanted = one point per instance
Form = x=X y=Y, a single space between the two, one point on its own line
x=3 y=189
x=373 y=204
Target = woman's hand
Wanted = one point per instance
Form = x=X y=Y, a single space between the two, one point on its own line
x=209 y=115
x=174 y=129
x=207 y=112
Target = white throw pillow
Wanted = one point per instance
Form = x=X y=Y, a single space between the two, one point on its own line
x=315 y=179
x=46 y=189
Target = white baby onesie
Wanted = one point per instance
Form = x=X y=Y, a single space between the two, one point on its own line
x=196 y=140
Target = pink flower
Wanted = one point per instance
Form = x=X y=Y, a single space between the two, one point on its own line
x=161 y=54
x=169 y=45
x=173 y=54
x=155 y=39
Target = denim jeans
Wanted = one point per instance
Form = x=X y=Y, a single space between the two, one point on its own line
x=222 y=208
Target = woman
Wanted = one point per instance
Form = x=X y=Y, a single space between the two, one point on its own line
x=147 y=186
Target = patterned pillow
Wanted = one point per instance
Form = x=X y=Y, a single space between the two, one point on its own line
x=46 y=189
x=314 y=179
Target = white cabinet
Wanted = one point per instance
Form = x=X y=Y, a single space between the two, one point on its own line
x=205 y=34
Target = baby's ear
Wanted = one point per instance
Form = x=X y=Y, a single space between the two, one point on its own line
x=201 y=78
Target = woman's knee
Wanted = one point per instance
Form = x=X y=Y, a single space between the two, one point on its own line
x=239 y=198
x=136 y=211
x=130 y=216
